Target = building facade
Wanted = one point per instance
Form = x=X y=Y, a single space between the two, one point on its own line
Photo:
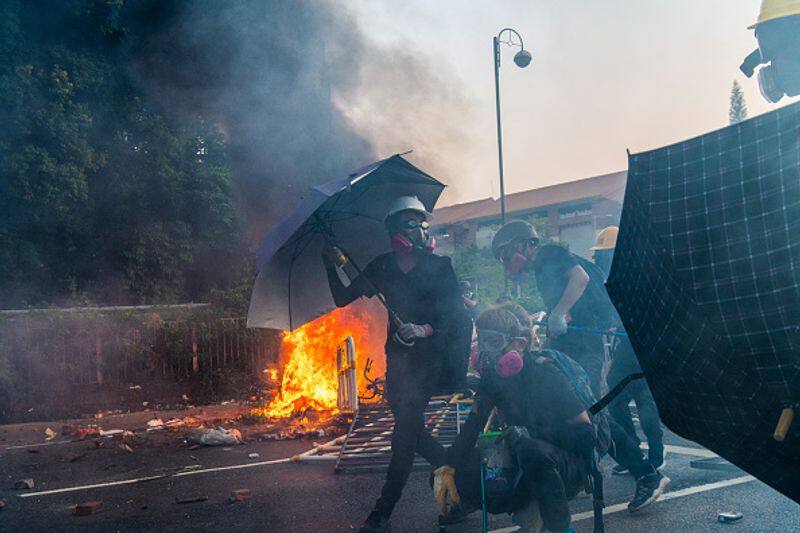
x=572 y=213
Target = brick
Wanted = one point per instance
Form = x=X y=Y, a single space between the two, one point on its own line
x=87 y=508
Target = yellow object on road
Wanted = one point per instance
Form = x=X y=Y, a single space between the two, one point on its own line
x=775 y=9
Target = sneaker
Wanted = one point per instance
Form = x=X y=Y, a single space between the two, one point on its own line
x=375 y=523
x=457 y=514
x=657 y=457
x=648 y=489
x=619 y=470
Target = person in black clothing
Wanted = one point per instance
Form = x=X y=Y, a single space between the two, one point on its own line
x=573 y=291
x=422 y=289
x=623 y=364
x=550 y=433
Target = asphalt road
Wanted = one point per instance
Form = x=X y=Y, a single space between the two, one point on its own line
x=296 y=497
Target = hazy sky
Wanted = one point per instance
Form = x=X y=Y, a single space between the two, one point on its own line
x=606 y=75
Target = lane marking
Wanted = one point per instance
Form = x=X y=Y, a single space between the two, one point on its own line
x=611 y=509
x=685 y=450
x=152 y=478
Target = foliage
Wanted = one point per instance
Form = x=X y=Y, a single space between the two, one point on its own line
x=479 y=266
x=738 y=107
x=104 y=197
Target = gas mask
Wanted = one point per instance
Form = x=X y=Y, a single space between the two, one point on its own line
x=412 y=236
x=779 y=53
x=494 y=353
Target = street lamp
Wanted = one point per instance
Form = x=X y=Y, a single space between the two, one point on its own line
x=522 y=59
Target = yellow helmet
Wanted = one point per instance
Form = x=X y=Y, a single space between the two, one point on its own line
x=606 y=239
x=775 y=9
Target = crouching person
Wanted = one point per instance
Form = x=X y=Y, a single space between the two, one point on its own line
x=549 y=433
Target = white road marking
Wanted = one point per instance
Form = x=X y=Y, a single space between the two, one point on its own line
x=688 y=491
x=151 y=478
x=686 y=450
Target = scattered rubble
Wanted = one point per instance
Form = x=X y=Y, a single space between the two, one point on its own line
x=49 y=434
x=24 y=484
x=87 y=508
x=126 y=447
x=135 y=387
x=190 y=499
x=240 y=495
x=253 y=455
x=215 y=437
x=90 y=430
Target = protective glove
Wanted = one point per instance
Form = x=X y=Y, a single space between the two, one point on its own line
x=513 y=436
x=333 y=256
x=556 y=324
x=444 y=488
x=407 y=334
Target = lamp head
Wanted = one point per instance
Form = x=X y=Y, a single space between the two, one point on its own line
x=523 y=58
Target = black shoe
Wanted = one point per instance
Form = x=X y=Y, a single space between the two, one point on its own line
x=619 y=470
x=376 y=523
x=656 y=456
x=648 y=489
x=457 y=514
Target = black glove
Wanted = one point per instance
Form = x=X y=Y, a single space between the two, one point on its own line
x=513 y=436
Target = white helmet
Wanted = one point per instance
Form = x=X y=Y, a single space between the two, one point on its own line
x=406 y=203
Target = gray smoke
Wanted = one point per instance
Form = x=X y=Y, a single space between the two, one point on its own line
x=271 y=75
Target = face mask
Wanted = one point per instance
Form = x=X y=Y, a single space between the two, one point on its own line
x=492 y=346
x=416 y=240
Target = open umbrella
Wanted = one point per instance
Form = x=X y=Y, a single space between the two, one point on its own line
x=292 y=288
x=706 y=278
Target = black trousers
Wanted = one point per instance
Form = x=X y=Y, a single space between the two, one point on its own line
x=411 y=378
x=551 y=475
x=587 y=349
x=639 y=392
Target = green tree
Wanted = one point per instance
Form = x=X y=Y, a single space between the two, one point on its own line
x=738 y=107
x=104 y=197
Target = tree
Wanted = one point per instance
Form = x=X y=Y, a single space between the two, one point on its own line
x=103 y=197
x=738 y=107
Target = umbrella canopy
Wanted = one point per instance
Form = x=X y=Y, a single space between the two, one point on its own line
x=292 y=287
x=705 y=277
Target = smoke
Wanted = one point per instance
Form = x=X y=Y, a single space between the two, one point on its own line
x=300 y=92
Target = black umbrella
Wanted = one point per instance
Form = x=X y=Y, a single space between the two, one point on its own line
x=706 y=279
x=292 y=288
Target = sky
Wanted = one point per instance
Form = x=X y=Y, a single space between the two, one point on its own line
x=606 y=76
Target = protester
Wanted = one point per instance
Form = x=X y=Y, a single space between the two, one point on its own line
x=549 y=432
x=422 y=289
x=624 y=363
x=573 y=293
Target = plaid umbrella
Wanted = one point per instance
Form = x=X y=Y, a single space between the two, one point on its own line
x=706 y=278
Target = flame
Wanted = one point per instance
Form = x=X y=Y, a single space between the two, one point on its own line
x=309 y=380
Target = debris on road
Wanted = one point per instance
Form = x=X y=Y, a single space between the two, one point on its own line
x=190 y=499
x=87 y=508
x=253 y=455
x=126 y=447
x=135 y=387
x=24 y=484
x=90 y=430
x=215 y=437
x=155 y=424
x=725 y=518
x=49 y=434
x=240 y=495
x=111 y=432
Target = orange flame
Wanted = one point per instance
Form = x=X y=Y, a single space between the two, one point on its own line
x=309 y=353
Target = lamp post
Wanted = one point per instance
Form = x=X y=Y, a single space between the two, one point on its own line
x=522 y=59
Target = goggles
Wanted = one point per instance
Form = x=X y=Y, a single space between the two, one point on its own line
x=493 y=342
x=413 y=224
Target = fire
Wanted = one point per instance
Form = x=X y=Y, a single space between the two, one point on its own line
x=309 y=381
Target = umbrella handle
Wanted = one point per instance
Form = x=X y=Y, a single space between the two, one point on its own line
x=784 y=423
x=589 y=330
x=345 y=257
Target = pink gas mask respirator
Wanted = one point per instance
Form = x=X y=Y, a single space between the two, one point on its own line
x=493 y=351
x=417 y=239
